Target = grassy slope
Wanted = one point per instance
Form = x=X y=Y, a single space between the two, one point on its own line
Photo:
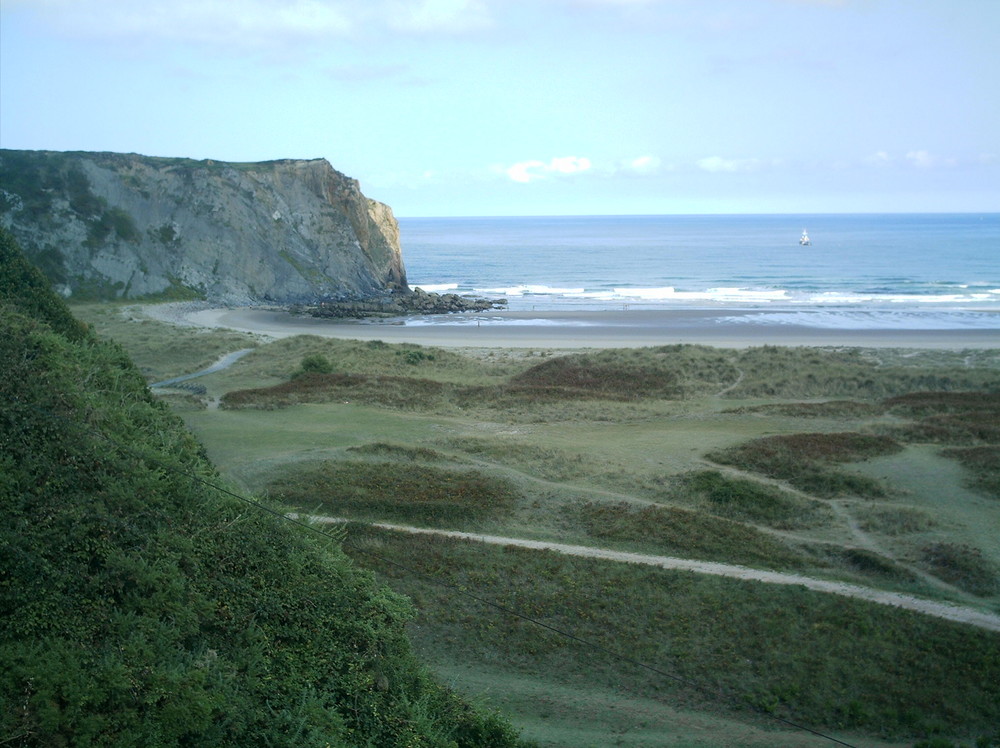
x=594 y=462
x=141 y=607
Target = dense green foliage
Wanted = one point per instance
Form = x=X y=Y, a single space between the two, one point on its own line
x=397 y=492
x=983 y=463
x=141 y=606
x=314 y=364
x=681 y=532
x=802 y=460
x=829 y=662
x=25 y=289
x=747 y=500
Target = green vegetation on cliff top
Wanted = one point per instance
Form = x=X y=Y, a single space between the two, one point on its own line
x=139 y=606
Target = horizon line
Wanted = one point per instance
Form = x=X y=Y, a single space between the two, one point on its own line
x=710 y=214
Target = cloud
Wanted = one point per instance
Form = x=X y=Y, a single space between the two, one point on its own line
x=925 y=160
x=644 y=165
x=251 y=23
x=451 y=16
x=529 y=171
x=614 y=3
x=919 y=159
x=879 y=158
x=832 y=3
x=719 y=164
x=199 y=21
x=366 y=73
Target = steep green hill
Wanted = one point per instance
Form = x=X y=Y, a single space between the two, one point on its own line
x=141 y=606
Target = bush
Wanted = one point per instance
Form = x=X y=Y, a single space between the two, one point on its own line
x=802 y=459
x=963 y=566
x=983 y=463
x=314 y=364
x=404 y=492
x=674 y=531
x=750 y=501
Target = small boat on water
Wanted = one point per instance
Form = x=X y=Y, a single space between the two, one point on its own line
x=804 y=239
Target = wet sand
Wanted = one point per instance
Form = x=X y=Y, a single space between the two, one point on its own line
x=575 y=329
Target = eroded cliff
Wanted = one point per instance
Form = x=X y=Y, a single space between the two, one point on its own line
x=109 y=225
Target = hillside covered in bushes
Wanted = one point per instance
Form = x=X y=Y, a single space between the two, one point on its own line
x=141 y=605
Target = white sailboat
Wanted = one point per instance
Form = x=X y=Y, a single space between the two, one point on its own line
x=804 y=239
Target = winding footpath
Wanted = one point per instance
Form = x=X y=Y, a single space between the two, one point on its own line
x=971 y=616
x=223 y=363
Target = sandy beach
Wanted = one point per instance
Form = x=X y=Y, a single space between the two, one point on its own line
x=574 y=329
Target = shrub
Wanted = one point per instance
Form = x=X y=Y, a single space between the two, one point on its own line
x=983 y=463
x=962 y=566
x=802 y=460
x=894 y=520
x=750 y=501
x=385 y=490
x=670 y=530
x=314 y=364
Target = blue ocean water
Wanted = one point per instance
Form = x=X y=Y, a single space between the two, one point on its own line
x=926 y=271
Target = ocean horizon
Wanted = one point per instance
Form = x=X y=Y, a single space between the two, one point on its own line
x=859 y=271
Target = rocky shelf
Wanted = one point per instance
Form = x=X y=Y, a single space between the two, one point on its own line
x=398 y=304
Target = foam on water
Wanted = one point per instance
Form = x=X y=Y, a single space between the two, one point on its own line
x=485 y=321
x=436 y=287
x=871 y=320
x=867 y=262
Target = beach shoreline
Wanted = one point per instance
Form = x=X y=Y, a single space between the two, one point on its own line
x=567 y=329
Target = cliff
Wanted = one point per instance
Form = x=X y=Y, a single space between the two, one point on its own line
x=109 y=225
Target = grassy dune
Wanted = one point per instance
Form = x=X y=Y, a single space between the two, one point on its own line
x=878 y=468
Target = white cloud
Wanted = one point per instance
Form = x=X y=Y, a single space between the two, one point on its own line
x=924 y=160
x=879 y=158
x=424 y=16
x=366 y=73
x=644 y=165
x=719 y=164
x=614 y=3
x=200 y=21
x=920 y=159
x=529 y=171
x=524 y=171
x=569 y=164
x=256 y=22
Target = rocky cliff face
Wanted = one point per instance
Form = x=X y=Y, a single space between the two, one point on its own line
x=107 y=225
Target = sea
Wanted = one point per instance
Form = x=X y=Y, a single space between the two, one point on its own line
x=885 y=271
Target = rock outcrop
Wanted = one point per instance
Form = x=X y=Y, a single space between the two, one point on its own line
x=109 y=225
x=395 y=305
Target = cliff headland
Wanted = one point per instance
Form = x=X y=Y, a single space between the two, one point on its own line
x=125 y=226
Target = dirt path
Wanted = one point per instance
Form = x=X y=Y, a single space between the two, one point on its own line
x=979 y=618
x=224 y=362
x=734 y=385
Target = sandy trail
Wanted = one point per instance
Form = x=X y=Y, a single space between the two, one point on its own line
x=224 y=362
x=971 y=616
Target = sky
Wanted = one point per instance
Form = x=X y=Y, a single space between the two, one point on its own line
x=534 y=107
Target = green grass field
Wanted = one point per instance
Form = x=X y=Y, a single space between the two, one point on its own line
x=819 y=462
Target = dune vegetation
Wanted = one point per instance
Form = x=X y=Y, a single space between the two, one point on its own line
x=873 y=468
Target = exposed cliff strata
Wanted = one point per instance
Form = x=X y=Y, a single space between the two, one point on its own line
x=108 y=225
